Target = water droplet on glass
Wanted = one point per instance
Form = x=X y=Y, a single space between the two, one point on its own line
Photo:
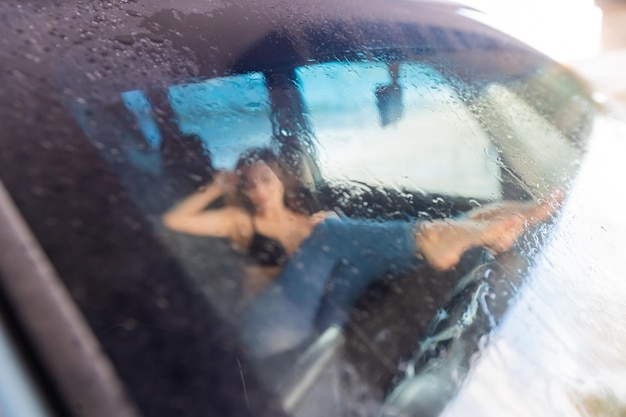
x=125 y=39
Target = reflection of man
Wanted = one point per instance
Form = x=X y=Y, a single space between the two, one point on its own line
x=389 y=98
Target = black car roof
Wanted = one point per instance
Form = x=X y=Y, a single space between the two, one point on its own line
x=125 y=46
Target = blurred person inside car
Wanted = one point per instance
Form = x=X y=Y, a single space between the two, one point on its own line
x=314 y=266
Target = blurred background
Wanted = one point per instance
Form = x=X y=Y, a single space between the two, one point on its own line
x=588 y=35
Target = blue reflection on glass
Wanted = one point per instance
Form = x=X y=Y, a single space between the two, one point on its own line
x=230 y=114
x=342 y=95
x=137 y=103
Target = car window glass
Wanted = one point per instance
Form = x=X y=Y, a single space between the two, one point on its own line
x=561 y=99
x=230 y=114
x=379 y=127
x=534 y=148
x=393 y=140
x=433 y=142
x=226 y=114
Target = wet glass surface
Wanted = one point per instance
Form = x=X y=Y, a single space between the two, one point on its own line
x=135 y=185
